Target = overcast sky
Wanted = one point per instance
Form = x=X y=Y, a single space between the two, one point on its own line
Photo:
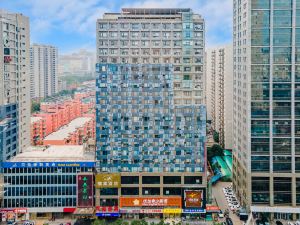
x=70 y=24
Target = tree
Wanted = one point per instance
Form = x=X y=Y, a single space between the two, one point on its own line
x=215 y=150
x=35 y=107
x=216 y=136
x=99 y=222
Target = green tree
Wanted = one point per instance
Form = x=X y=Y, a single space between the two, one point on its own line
x=35 y=107
x=99 y=222
x=215 y=150
x=216 y=136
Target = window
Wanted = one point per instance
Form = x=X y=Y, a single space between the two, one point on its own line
x=151 y=180
x=151 y=191
x=260 y=146
x=130 y=191
x=282 y=190
x=172 y=191
x=260 y=163
x=172 y=180
x=260 y=190
x=192 y=180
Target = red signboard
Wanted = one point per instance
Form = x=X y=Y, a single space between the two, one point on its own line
x=85 y=191
x=107 y=209
x=20 y=210
x=193 y=199
x=212 y=209
x=69 y=210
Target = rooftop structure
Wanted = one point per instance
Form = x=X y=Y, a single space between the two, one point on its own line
x=64 y=131
x=54 y=153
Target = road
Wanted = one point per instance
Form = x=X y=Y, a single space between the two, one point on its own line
x=218 y=195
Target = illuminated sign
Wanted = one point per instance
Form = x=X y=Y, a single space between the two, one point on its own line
x=193 y=199
x=194 y=211
x=47 y=164
x=104 y=209
x=111 y=180
x=85 y=191
x=212 y=209
x=140 y=201
x=108 y=214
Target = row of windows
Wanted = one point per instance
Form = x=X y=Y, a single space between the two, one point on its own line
x=147 y=26
x=40 y=190
x=145 y=191
x=137 y=60
x=39 y=202
x=282 y=190
x=40 y=179
x=281 y=164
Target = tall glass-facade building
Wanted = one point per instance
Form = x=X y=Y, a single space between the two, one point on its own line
x=266 y=168
x=150 y=119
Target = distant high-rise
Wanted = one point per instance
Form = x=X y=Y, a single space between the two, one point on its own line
x=266 y=164
x=43 y=71
x=151 y=126
x=219 y=92
x=14 y=84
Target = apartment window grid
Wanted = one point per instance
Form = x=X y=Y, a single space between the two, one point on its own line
x=157 y=44
x=138 y=127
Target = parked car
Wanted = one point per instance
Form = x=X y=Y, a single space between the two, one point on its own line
x=220 y=214
x=229 y=221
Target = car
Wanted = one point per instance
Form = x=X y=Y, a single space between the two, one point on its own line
x=229 y=221
x=290 y=223
x=220 y=214
x=297 y=223
x=278 y=222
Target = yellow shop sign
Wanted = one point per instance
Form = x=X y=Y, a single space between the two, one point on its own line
x=172 y=210
x=108 y=180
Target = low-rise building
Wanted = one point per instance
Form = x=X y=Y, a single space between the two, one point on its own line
x=74 y=133
x=43 y=181
x=38 y=127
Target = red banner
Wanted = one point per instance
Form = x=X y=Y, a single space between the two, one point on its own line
x=107 y=209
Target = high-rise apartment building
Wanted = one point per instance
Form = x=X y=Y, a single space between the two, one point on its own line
x=43 y=71
x=219 y=92
x=266 y=165
x=14 y=84
x=161 y=36
x=151 y=126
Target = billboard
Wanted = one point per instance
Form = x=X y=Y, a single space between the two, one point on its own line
x=193 y=198
x=46 y=164
x=109 y=180
x=158 y=201
x=85 y=190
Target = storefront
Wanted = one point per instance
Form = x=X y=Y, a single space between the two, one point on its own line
x=107 y=211
x=212 y=212
x=14 y=215
x=154 y=208
x=170 y=213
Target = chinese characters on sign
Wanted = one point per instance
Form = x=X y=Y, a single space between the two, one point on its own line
x=46 y=164
x=105 y=209
x=139 y=201
x=112 y=180
x=193 y=199
x=85 y=192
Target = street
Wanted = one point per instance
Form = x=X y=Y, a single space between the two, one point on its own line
x=218 y=195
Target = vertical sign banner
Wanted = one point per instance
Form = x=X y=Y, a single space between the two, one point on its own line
x=85 y=190
x=193 y=199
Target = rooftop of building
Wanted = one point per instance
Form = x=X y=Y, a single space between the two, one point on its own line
x=156 y=11
x=34 y=119
x=64 y=131
x=54 y=153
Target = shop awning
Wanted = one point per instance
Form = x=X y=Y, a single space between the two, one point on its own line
x=84 y=211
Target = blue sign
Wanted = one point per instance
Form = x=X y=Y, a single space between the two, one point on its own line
x=108 y=214
x=46 y=164
x=194 y=211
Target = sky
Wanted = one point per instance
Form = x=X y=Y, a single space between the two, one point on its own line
x=71 y=24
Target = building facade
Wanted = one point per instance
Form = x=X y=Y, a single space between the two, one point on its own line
x=219 y=92
x=14 y=67
x=42 y=182
x=266 y=164
x=142 y=134
x=43 y=70
x=158 y=36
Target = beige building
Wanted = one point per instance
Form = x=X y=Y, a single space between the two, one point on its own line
x=14 y=67
x=43 y=70
x=219 y=92
x=157 y=38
